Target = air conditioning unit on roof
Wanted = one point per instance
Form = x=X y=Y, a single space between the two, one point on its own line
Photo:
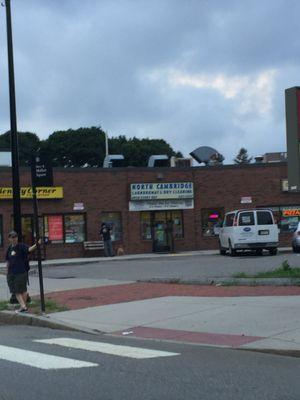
x=181 y=162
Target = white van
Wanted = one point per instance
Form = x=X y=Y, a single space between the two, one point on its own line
x=249 y=230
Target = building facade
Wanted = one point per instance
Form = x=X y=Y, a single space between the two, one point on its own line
x=150 y=209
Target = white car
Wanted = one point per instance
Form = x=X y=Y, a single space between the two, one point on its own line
x=248 y=230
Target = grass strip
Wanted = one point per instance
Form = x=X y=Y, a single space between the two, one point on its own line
x=35 y=306
x=276 y=273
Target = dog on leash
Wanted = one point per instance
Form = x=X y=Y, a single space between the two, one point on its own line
x=120 y=251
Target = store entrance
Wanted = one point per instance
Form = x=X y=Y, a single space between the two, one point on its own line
x=162 y=232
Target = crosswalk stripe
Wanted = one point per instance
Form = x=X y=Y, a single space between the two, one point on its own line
x=107 y=348
x=40 y=360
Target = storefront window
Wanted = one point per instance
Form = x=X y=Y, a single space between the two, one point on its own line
x=177 y=224
x=74 y=228
x=28 y=228
x=211 y=221
x=160 y=223
x=114 y=220
x=289 y=218
x=68 y=228
x=146 y=226
x=53 y=229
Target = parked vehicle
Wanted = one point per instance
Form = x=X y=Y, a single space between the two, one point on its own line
x=296 y=239
x=253 y=229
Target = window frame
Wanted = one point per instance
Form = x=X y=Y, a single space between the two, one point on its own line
x=209 y=225
x=63 y=215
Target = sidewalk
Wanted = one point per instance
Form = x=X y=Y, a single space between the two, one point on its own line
x=88 y=260
x=239 y=317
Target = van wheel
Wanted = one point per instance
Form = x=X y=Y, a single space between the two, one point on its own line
x=232 y=251
x=258 y=252
x=273 y=252
x=222 y=250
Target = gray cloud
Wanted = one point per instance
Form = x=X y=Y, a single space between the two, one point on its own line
x=193 y=72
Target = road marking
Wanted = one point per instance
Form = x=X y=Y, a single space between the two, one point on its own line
x=107 y=348
x=40 y=360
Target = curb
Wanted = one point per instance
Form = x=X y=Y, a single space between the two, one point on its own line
x=12 y=318
x=227 y=281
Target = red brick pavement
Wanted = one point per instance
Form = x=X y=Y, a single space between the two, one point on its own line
x=103 y=295
x=218 y=339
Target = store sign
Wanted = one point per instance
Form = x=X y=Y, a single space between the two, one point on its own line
x=41 y=171
x=78 y=206
x=55 y=227
x=246 y=200
x=291 y=212
x=161 y=205
x=161 y=190
x=284 y=185
x=43 y=193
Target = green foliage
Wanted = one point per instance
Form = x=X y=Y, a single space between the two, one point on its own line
x=28 y=144
x=35 y=306
x=285 y=266
x=242 y=157
x=85 y=147
x=137 y=151
x=285 y=271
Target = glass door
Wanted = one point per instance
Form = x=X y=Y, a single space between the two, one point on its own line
x=160 y=232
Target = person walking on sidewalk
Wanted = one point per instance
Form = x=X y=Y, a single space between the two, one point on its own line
x=105 y=234
x=17 y=268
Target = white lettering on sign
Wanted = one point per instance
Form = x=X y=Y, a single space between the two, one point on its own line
x=162 y=190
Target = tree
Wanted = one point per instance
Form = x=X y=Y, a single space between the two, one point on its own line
x=28 y=143
x=84 y=147
x=242 y=157
x=137 y=151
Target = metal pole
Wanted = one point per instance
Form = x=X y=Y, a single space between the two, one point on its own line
x=37 y=237
x=106 y=144
x=13 y=128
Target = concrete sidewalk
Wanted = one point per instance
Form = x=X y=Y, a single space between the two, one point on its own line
x=236 y=317
x=260 y=318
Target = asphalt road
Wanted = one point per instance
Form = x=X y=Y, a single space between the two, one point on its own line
x=195 y=372
x=185 y=267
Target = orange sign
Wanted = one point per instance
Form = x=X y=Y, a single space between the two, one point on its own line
x=291 y=213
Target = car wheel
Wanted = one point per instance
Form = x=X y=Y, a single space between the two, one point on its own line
x=273 y=252
x=222 y=250
x=232 y=251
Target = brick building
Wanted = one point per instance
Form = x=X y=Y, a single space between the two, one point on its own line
x=151 y=209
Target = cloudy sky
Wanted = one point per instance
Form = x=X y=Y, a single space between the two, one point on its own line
x=193 y=72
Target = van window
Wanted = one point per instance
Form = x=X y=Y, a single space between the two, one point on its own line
x=229 y=220
x=264 y=218
x=246 y=218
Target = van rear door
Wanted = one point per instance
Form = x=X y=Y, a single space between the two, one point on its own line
x=246 y=230
x=267 y=230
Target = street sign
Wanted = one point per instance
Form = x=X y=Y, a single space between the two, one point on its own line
x=41 y=171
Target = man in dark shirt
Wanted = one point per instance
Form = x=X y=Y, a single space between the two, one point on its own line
x=17 y=268
x=105 y=233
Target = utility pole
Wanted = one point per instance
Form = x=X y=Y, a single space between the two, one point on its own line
x=13 y=128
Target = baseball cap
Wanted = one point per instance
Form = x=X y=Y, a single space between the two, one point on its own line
x=12 y=234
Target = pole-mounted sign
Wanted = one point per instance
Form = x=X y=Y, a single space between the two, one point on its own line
x=41 y=175
x=41 y=171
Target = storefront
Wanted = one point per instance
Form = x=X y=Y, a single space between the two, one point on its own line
x=149 y=209
x=160 y=205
